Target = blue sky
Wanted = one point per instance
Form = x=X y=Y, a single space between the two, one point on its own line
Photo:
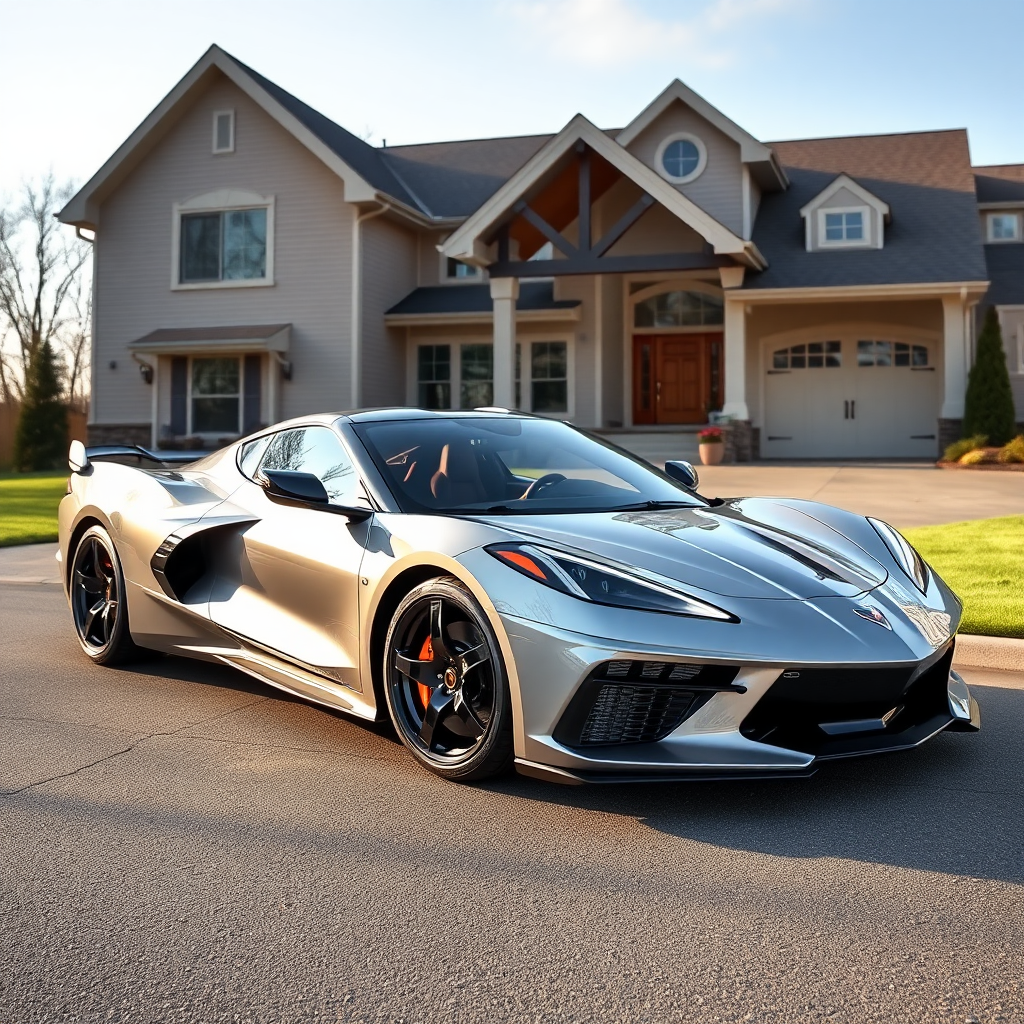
x=416 y=70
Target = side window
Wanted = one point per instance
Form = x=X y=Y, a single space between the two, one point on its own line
x=319 y=451
x=251 y=455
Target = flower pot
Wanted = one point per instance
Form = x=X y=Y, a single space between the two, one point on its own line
x=711 y=454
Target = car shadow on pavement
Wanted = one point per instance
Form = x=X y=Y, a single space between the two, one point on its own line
x=950 y=806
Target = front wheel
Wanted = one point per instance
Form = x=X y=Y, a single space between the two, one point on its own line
x=446 y=686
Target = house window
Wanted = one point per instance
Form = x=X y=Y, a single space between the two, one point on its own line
x=216 y=396
x=456 y=270
x=681 y=158
x=223 y=131
x=1004 y=227
x=477 y=376
x=888 y=353
x=549 y=376
x=815 y=354
x=844 y=226
x=679 y=309
x=434 y=377
x=227 y=245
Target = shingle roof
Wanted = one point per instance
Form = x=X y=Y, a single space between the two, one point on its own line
x=927 y=180
x=1000 y=183
x=476 y=298
x=363 y=158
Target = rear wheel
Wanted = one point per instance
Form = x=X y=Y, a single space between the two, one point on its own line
x=98 y=604
x=446 y=686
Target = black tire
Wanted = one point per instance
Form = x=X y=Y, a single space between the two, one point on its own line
x=460 y=727
x=98 y=605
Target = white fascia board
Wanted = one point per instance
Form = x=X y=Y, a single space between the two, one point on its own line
x=924 y=290
x=1004 y=204
x=751 y=149
x=465 y=242
x=81 y=209
x=845 y=181
x=571 y=314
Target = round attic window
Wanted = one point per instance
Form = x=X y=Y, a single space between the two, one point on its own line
x=681 y=158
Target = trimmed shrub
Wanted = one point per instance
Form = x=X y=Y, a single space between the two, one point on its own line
x=41 y=439
x=988 y=407
x=958 y=449
x=1012 y=451
x=978 y=457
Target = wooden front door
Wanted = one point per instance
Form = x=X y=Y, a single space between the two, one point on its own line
x=675 y=377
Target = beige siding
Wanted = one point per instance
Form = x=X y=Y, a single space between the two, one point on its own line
x=657 y=231
x=844 y=198
x=389 y=274
x=615 y=341
x=767 y=321
x=312 y=258
x=719 y=189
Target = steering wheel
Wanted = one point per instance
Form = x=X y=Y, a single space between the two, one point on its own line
x=542 y=482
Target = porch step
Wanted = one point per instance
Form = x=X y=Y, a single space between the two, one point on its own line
x=658 y=448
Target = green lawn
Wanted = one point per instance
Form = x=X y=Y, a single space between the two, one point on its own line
x=983 y=561
x=28 y=507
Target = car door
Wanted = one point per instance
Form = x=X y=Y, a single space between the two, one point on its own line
x=295 y=588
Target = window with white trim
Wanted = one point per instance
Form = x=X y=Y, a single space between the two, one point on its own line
x=1004 y=227
x=223 y=245
x=215 y=395
x=223 y=131
x=815 y=354
x=681 y=158
x=549 y=376
x=1020 y=348
x=841 y=227
x=434 y=376
x=476 y=370
x=890 y=353
x=456 y=270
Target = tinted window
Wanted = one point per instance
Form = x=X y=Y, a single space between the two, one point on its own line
x=523 y=465
x=319 y=451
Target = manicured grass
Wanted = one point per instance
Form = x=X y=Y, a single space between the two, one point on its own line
x=983 y=561
x=28 y=507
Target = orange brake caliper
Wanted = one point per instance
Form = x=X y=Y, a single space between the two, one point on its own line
x=426 y=653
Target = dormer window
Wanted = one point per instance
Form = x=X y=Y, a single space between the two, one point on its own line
x=223 y=131
x=1004 y=227
x=845 y=215
x=681 y=158
x=843 y=226
x=456 y=270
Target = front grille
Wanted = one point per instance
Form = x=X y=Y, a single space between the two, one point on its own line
x=635 y=714
x=639 y=701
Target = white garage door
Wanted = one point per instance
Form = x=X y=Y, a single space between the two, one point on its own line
x=854 y=398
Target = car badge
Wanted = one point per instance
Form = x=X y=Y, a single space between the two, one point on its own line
x=872 y=615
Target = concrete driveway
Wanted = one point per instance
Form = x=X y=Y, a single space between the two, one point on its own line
x=180 y=843
x=904 y=494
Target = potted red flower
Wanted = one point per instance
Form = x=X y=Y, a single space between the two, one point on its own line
x=711 y=445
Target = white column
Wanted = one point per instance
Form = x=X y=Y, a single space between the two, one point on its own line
x=954 y=357
x=735 y=404
x=154 y=407
x=504 y=292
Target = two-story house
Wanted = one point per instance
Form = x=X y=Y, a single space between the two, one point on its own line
x=256 y=261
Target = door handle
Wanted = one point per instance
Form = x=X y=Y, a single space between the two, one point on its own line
x=846 y=409
x=853 y=408
x=657 y=390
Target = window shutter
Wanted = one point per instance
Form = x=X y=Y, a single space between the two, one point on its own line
x=179 y=396
x=251 y=395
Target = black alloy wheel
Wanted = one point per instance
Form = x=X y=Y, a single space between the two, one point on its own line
x=446 y=685
x=97 y=599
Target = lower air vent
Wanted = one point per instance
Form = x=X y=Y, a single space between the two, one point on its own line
x=639 y=701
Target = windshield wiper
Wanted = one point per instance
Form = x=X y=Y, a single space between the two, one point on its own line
x=481 y=511
x=644 y=506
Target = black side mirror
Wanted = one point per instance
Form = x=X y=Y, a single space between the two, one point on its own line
x=291 y=488
x=684 y=473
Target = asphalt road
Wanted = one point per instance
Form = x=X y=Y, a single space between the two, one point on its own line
x=178 y=843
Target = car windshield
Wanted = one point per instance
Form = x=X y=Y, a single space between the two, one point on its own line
x=508 y=465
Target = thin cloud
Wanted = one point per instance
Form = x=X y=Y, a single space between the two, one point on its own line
x=620 y=32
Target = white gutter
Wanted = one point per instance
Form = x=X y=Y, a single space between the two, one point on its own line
x=356 y=369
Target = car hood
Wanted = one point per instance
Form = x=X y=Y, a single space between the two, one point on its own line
x=746 y=548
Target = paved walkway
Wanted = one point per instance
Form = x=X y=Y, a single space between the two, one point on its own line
x=904 y=494
x=29 y=563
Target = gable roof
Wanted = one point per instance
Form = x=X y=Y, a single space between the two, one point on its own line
x=365 y=175
x=752 y=151
x=465 y=242
x=844 y=181
x=1000 y=183
x=926 y=179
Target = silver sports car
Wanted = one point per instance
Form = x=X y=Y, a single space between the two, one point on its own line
x=510 y=589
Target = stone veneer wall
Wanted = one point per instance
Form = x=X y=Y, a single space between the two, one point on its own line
x=949 y=431
x=120 y=433
x=739 y=441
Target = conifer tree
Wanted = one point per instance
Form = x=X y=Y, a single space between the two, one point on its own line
x=988 y=408
x=41 y=440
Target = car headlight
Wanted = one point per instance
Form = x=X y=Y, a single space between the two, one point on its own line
x=900 y=549
x=601 y=583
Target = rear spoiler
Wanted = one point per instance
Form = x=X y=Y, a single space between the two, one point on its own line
x=80 y=457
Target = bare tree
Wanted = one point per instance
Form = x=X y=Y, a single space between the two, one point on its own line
x=44 y=295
